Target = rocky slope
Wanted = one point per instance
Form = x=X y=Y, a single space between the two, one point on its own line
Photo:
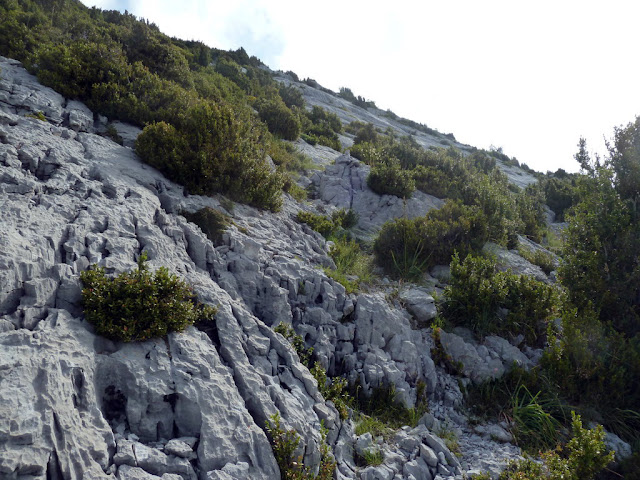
x=194 y=405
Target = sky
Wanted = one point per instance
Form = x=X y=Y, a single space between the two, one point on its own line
x=528 y=77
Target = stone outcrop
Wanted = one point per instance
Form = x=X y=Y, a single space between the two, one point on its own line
x=193 y=405
x=344 y=185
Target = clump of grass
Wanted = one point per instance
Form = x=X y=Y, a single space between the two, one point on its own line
x=37 y=115
x=372 y=425
x=212 y=222
x=534 y=427
x=383 y=406
x=370 y=457
x=450 y=439
x=354 y=267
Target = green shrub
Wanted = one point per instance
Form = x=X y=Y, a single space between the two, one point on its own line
x=212 y=222
x=292 y=96
x=284 y=444
x=279 y=119
x=212 y=151
x=389 y=179
x=139 y=305
x=353 y=266
x=582 y=458
x=329 y=226
x=478 y=294
x=593 y=365
x=407 y=248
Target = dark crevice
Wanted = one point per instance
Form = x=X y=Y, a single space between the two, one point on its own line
x=54 y=472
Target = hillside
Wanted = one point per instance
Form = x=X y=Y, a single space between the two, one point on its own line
x=389 y=303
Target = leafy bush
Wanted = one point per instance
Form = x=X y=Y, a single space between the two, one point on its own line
x=139 y=305
x=212 y=151
x=320 y=126
x=353 y=266
x=389 y=179
x=407 y=248
x=279 y=119
x=284 y=444
x=291 y=96
x=583 y=457
x=212 y=222
x=594 y=365
x=479 y=295
x=329 y=226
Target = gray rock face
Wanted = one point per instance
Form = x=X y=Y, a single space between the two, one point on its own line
x=510 y=260
x=486 y=361
x=344 y=185
x=192 y=405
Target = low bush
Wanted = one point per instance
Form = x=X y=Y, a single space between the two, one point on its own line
x=595 y=366
x=211 y=151
x=408 y=247
x=389 y=179
x=279 y=119
x=285 y=443
x=212 y=222
x=329 y=226
x=490 y=302
x=583 y=457
x=139 y=305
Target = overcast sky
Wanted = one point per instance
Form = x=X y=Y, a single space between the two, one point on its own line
x=528 y=77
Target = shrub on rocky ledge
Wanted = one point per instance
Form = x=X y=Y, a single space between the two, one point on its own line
x=139 y=305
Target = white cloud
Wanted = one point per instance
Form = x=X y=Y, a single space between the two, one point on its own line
x=530 y=77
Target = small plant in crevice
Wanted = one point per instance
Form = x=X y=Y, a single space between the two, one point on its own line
x=212 y=222
x=441 y=357
x=139 y=305
x=384 y=407
x=37 y=115
x=369 y=457
x=332 y=389
x=450 y=439
x=284 y=444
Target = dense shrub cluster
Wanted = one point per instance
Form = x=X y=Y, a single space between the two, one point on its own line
x=139 y=305
x=491 y=302
x=126 y=69
x=387 y=178
x=583 y=457
x=401 y=164
x=409 y=247
x=329 y=226
x=212 y=151
x=320 y=126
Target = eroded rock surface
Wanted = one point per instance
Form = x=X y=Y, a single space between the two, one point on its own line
x=192 y=405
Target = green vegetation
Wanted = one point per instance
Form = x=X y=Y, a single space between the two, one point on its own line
x=139 y=305
x=371 y=456
x=354 y=266
x=332 y=389
x=195 y=103
x=387 y=178
x=212 y=222
x=491 y=302
x=37 y=115
x=582 y=458
x=408 y=247
x=285 y=443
